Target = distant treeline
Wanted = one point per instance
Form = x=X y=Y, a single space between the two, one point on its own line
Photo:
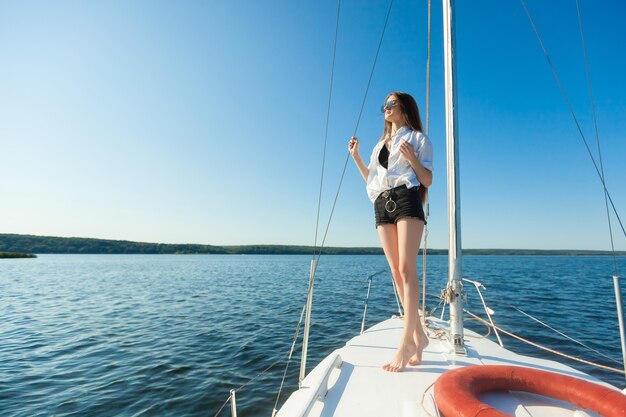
x=74 y=245
x=16 y=255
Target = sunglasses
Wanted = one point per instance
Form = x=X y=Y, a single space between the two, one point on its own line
x=390 y=104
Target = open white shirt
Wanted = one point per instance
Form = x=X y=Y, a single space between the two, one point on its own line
x=399 y=171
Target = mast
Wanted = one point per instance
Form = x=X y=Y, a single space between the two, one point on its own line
x=455 y=285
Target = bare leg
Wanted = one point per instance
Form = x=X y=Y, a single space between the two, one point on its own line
x=414 y=339
x=388 y=234
x=409 y=237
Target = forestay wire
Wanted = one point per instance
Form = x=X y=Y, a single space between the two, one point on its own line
x=330 y=95
x=321 y=247
x=382 y=35
x=595 y=125
x=569 y=106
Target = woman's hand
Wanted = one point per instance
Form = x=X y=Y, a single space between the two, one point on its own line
x=424 y=176
x=353 y=146
x=407 y=151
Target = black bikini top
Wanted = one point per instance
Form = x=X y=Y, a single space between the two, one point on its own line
x=383 y=156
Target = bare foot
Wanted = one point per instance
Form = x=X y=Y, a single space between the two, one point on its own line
x=421 y=341
x=399 y=362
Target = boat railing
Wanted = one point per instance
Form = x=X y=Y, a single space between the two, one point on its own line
x=491 y=325
x=233 y=403
x=553 y=351
x=488 y=310
x=367 y=297
x=497 y=329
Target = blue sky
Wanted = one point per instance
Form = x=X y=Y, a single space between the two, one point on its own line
x=203 y=122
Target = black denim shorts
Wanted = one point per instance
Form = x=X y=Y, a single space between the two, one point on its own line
x=397 y=203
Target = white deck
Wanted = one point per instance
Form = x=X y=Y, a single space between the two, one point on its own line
x=360 y=387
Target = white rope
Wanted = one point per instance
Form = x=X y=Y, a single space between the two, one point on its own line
x=424 y=397
x=556 y=352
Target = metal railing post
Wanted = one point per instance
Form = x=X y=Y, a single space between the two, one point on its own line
x=233 y=403
x=620 y=317
x=367 y=297
x=307 y=322
x=487 y=309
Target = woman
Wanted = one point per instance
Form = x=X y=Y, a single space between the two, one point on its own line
x=400 y=164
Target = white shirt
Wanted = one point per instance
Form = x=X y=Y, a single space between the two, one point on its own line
x=399 y=171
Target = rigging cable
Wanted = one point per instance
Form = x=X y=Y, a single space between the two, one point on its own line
x=595 y=125
x=345 y=164
x=314 y=262
x=426 y=208
x=607 y=195
x=293 y=345
x=263 y=372
x=330 y=95
x=324 y=158
x=319 y=254
x=573 y=115
x=559 y=332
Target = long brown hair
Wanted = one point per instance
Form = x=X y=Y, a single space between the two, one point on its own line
x=409 y=109
x=412 y=117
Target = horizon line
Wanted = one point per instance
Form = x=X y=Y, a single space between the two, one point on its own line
x=617 y=252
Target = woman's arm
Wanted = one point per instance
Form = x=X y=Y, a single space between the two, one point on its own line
x=424 y=175
x=353 y=148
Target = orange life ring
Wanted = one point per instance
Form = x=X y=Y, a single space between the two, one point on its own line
x=456 y=390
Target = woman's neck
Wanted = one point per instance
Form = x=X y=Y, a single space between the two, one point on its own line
x=395 y=127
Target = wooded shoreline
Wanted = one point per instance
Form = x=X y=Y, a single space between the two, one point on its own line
x=26 y=245
x=16 y=255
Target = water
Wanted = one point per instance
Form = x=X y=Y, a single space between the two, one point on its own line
x=104 y=335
